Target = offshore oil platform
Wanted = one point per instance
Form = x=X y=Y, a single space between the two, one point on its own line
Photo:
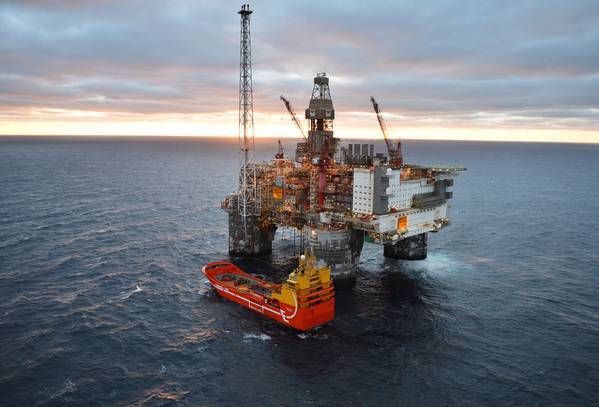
x=336 y=196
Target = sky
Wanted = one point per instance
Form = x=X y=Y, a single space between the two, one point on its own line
x=467 y=70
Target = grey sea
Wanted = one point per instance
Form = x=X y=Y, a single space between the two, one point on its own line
x=102 y=301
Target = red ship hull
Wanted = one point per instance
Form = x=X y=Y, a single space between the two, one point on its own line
x=301 y=318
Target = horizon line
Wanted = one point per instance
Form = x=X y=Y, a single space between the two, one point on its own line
x=182 y=136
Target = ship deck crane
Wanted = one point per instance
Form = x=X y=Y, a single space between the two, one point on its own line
x=395 y=154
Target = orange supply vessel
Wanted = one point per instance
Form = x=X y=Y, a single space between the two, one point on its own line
x=304 y=301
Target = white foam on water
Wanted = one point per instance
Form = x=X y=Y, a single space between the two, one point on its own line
x=137 y=290
x=68 y=386
x=262 y=337
x=440 y=264
x=205 y=288
x=312 y=335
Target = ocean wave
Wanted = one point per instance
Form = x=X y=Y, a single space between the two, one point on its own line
x=494 y=300
x=137 y=290
x=193 y=336
x=312 y=335
x=205 y=288
x=250 y=336
x=161 y=396
x=67 y=386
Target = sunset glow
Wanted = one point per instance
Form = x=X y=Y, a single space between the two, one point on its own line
x=113 y=68
x=273 y=126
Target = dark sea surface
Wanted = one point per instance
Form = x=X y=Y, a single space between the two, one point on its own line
x=102 y=301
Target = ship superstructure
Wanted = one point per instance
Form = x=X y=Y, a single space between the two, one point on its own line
x=337 y=196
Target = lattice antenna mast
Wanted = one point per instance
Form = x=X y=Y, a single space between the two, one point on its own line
x=248 y=202
x=246 y=98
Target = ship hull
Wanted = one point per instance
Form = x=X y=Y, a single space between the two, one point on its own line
x=292 y=316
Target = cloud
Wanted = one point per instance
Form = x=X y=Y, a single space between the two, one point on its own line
x=467 y=63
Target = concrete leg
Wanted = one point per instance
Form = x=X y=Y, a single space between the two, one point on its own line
x=411 y=248
x=257 y=242
x=340 y=249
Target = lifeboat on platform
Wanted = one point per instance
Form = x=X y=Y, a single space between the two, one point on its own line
x=304 y=301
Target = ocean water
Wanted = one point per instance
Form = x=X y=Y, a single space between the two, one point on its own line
x=102 y=301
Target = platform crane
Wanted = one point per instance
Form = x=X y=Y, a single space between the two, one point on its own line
x=296 y=121
x=281 y=154
x=395 y=155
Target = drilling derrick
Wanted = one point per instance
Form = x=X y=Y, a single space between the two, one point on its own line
x=320 y=113
x=323 y=145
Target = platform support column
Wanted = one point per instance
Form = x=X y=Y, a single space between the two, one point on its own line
x=340 y=249
x=255 y=240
